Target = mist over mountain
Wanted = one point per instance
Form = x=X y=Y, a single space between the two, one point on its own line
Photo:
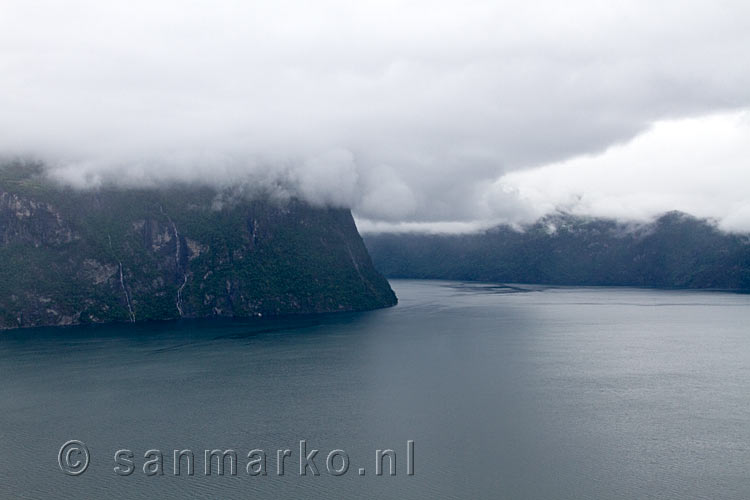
x=426 y=113
x=72 y=256
x=676 y=250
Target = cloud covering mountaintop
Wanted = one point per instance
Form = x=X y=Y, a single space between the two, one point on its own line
x=420 y=112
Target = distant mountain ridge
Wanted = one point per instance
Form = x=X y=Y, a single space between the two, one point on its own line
x=94 y=256
x=675 y=251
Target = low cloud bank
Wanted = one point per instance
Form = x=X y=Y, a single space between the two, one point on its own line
x=412 y=114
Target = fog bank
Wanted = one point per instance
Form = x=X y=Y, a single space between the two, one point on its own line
x=418 y=113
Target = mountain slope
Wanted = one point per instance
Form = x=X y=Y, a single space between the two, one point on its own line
x=69 y=257
x=676 y=250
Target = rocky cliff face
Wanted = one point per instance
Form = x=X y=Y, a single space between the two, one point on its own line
x=70 y=257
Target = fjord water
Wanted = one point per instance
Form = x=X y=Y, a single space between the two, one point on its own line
x=508 y=392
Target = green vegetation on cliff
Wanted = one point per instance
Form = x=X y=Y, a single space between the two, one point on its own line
x=675 y=251
x=71 y=256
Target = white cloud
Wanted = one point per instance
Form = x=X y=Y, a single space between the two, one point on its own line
x=386 y=195
x=328 y=179
x=369 y=226
x=319 y=96
x=698 y=165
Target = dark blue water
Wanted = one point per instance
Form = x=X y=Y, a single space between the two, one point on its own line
x=531 y=393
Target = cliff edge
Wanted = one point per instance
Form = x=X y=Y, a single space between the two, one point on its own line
x=71 y=257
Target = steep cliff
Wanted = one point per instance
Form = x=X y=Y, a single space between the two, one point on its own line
x=69 y=256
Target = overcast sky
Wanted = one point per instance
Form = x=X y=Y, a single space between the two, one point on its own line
x=416 y=114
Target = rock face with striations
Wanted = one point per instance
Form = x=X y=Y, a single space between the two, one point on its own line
x=72 y=257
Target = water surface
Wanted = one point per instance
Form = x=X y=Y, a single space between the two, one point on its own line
x=508 y=392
